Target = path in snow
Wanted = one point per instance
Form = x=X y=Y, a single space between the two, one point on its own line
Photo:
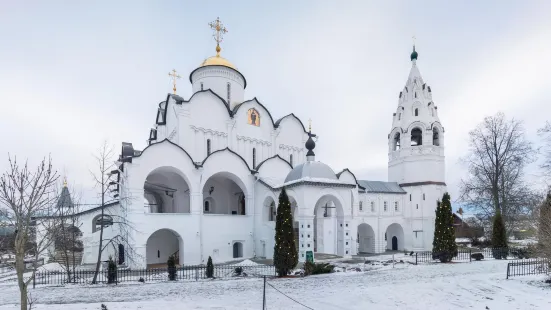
x=474 y=285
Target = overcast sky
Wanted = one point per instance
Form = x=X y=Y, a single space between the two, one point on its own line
x=73 y=73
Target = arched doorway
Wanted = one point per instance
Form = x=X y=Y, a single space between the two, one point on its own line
x=225 y=193
x=269 y=210
x=366 y=239
x=328 y=226
x=166 y=191
x=395 y=237
x=161 y=245
x=237 y=249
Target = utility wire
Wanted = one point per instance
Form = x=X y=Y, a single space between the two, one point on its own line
x=289 y=297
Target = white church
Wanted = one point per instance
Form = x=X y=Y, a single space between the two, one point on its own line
x=208 y=182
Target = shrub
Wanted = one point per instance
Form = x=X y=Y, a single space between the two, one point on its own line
x=321 y=268
x=111 y=271
x=210 y=268
x=477 y=256
x=238 y=271
x=171 y=263
x=521 y=253
x=103 y=307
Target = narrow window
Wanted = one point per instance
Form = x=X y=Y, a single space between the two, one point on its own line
x=416 y=112
x=399 y=116
x=385 y=236
x=201 y=85
x=396 y=141
x=423 y=196
x=361 y=206
x=373 y=206
x=396 y=206
x=207 y=207
x=415 y=94
x=416 y=137
x=385 y=207
x=254 y=158
x=208 y=147
x=229 y=92
x=417 y=206
x=291 y=159
x=158 y=253
x=409 y=197
x=272 y=211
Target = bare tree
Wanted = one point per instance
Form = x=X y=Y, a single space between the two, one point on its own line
x=498 y=155
x=26 y=195
x=107 y=186
x=544 y=228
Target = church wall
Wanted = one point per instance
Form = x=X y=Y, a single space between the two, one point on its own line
x=290 y=140
x=221 y=231
x=217 y=78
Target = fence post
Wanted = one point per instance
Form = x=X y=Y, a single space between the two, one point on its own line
x=415 y=258
x=34 y=279
x=508 y=264
x=470 y=255
x=264 y=295
x=392 y=260
x=196 y=274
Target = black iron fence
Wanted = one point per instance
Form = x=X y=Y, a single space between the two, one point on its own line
x=190 y=273
x=467 y=254
x=527 y=267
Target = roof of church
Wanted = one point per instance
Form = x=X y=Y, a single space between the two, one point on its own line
x=311 y=169
x=381 y=187
x=65 y=200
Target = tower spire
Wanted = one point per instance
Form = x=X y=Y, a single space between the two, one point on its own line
x=218 y=35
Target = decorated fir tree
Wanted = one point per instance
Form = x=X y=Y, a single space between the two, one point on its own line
x=444 y=247
x=499 y=237
x=285 y=251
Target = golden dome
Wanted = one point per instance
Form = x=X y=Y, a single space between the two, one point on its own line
x=217 y=61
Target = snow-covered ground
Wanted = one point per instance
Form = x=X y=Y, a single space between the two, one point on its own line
x=475 y=285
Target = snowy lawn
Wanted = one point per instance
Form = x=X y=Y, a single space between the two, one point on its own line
x=475 y=285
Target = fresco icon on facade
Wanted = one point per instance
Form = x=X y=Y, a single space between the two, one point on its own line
x=253 y=118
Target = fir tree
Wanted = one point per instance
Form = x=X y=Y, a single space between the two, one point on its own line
x=285 y=251
x=171 y=267
x=444 y=247
x=210 y=268
x=499 y=237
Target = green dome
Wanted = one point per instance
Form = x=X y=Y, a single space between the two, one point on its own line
x=413 y=54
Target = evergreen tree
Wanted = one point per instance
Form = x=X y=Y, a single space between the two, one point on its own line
x=444 y=247
x=210 y=268
x=285 y=251
x=171 y=264
x=499 y=237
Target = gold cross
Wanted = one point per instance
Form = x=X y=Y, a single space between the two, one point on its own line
x=174 y=77
x=219 y=31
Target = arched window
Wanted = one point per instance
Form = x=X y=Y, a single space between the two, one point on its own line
x=100 y=221
x=228 y=87
x=385 y=207
x=254 y=158
x=416 y=137
x=373 y=206
x=396 y=145
x=291 y=159
x=201 y=85
x=237 y=250
x=396 y=206
x=208 y=147
x=272 y=210
x=361 y=206
x=416 y=112
x=435 y=137
x=415 y=94
x=207 y=206
x=423 y=196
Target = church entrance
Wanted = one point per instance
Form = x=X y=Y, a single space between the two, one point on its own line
x=328 y=226
x=395 y=237
x=366 y=239
x=161 y=245
x=224 y=193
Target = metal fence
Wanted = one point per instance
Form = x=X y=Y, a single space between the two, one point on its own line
x=466 y=254
x=190 y=273
x=527 y=267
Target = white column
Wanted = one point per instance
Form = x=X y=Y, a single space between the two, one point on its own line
x=306 y=236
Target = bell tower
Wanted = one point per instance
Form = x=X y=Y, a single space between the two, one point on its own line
x=416 y=139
